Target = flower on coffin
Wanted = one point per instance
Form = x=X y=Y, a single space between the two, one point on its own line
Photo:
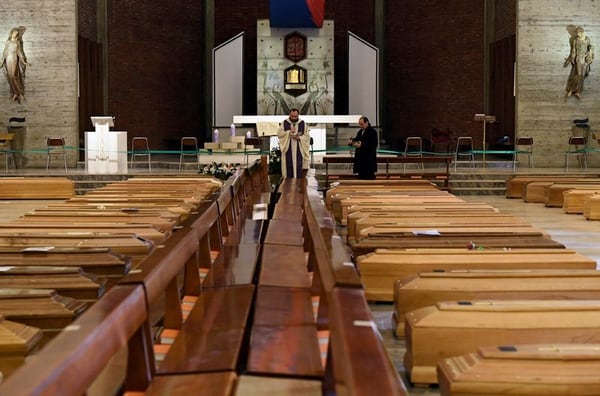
x=221 y=171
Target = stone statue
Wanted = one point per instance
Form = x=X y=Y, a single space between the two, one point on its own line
x=15 y=63
x=580 y=59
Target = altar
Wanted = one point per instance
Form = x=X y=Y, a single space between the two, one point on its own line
x=105 y=150
x=267 y=125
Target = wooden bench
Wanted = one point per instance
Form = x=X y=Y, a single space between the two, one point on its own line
x=535 y=369
x=428 y=288
x=36 y=188
x=354 y=332
x=442 y=174
x=455 y=328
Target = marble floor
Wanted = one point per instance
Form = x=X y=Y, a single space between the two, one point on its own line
x=572 y=230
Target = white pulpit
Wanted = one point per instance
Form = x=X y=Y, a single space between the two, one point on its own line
x=105 y=150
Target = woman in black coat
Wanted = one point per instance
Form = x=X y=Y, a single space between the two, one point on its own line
x=365 y=155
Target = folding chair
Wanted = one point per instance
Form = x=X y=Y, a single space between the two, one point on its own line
x=56 y=147
x=189 y=147
x=140 y=148
x=464 y=148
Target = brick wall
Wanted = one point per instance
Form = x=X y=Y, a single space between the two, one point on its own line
x=155 y=69
x=434 y=67
x=50 y=44
x=505 y=23
x=86 y=19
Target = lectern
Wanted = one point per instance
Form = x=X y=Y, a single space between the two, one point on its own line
x=105 y=150
x=486 y=119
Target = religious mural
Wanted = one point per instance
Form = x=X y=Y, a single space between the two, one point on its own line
x=272 y=98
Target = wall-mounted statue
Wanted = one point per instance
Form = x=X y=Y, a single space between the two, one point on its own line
x=580 y=58
x=15 y=63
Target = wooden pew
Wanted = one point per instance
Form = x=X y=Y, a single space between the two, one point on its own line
x=354 y=332
x=428 y=288
x=456 y=328
x=536 y=369
x=71 y=362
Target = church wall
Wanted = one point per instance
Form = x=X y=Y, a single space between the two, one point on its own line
x=434 y=68
x=50 y=105
x=155 y=69
x=543 y=112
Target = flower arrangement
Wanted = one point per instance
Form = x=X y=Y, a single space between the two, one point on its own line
x=275 y=161
x=221 y=171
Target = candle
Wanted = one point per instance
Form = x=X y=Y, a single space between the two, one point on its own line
x=248 y=134
x=232 y=129
x=216 y=136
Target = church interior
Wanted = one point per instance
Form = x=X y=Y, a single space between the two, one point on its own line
x=168 y=227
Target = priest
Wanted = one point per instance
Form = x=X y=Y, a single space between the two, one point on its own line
x=294 y=142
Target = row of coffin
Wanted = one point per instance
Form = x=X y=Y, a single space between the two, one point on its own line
x=207 y=297
x=486 y=303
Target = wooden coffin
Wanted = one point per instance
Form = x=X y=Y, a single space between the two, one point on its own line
x=145 y=231
x=428 y=288
x=516 y=185
x=81 y=217
x=126 y=244
x=574 y=200
x=67 y=281
x=40 y=308
x=544 y=370
x=554 y=194
x=379 y=270
x=36 y=188
x=378 y=185
x=341 y=208
x=455 y=328
x=102 y=261
x=429 y=209
x=17 y=341
x=591 y=207
x=455 y=242
x=424 y=222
